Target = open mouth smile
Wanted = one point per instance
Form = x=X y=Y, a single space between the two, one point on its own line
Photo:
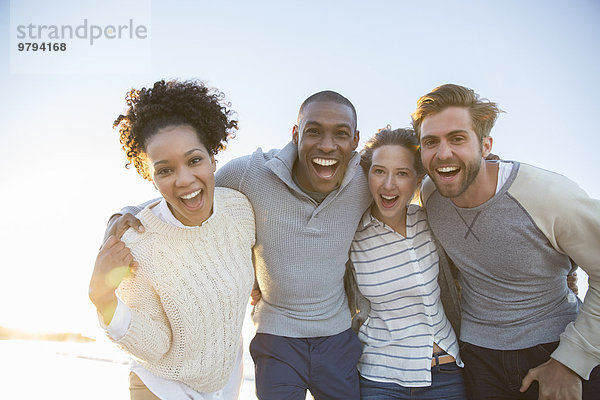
x=447 y=172
x=388 y=201
x=194 y=200
x=325 y=168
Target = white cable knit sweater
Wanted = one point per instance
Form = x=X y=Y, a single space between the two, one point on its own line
x=188 y=296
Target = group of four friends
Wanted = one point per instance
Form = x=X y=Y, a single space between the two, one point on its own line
x=354 y=296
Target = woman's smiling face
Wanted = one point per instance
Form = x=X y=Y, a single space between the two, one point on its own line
x=183 y=171
x=393 y=181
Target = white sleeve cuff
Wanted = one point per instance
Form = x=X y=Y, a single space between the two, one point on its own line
x=121 y=320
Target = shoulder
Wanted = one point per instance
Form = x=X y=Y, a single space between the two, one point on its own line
x=131 y=237
x=257 y=156
x=415 y=209
x=534 y=185
x=142 y=247
x=147 y=217
x=230 y=198
x=427 y=189
x=416 y=212
x=539 y=176
x=235 y=209
x=242 y=168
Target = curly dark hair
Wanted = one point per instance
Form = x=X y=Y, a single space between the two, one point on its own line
x=174 y=103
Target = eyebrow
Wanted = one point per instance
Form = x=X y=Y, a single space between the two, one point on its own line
x=446 y=134
x=187 y=153
x=394 y=169
x=343 y=125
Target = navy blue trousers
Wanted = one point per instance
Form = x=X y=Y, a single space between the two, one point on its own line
x=446 y=384
x=286 y=367
x=497 y=374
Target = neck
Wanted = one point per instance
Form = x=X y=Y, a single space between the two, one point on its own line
x=398 y=224
x=481 y=189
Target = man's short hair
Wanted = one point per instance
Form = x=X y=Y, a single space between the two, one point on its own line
x=483 y=112
x=329 y=96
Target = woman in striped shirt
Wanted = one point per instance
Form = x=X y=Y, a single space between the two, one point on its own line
x=410 y=349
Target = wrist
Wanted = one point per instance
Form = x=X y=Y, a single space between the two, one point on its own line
x=102 y=298
x=109 y=226
x=106 y=307
x=562 y=366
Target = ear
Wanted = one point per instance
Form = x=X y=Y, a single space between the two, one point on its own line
x=355 y=140
x=486 y=146
x=295 y=134
x=213 y=162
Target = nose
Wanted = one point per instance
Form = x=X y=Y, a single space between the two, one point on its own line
x=444 y=151
x=388 y=184
x=326 y=144
x=185 y=177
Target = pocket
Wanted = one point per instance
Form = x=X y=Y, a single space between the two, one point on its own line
x=547 y=348
x=450 y=369
x=254 y=343
x=462 y=346
x=358 y=346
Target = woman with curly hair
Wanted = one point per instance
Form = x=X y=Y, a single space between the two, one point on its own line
x=174 y=296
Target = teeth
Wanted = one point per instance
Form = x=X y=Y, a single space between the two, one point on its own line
x=324 y=162
x=388 y=197
x=447 y=169
x=192 y=195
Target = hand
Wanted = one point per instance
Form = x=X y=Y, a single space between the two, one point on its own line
x=118 y=224
x=572 y=282
x=255 y=295
x=557 y=382
x=113 y=264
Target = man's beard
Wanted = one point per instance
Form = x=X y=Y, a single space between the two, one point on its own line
x=469 y=172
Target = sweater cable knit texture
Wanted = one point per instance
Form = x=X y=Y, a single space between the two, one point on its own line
x=188 y=296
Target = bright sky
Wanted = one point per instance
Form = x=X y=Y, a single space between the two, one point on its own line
x=62 y=167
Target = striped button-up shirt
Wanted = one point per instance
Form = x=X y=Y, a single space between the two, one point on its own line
x=398 y=275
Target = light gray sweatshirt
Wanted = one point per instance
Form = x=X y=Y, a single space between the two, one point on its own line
x=514 y=252
x=301 y=246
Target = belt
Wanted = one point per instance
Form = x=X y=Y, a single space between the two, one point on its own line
x=441 y=357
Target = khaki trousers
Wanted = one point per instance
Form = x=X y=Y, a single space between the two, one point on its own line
x=137 y=389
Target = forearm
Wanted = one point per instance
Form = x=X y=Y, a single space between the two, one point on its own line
x=575 y=231
x=136 y=209
x=119 y=325
x=579 y=349
x=106 y=305
x=109 y=226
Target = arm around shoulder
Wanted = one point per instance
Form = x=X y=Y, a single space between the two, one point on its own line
x=231 y=174
x=427 y=189
x=125 y=219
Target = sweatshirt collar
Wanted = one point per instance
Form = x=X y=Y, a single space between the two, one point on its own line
x=283 y=163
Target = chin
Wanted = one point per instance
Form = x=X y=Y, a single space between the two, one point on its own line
x=326 y=189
